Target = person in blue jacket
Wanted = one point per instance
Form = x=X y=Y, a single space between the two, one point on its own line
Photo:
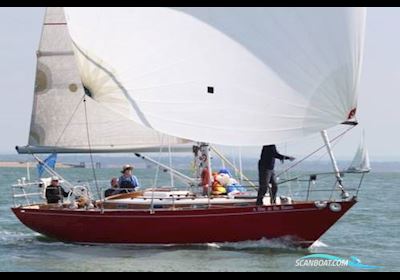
x=128 y=181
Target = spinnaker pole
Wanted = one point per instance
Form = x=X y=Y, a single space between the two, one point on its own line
x=328 y=145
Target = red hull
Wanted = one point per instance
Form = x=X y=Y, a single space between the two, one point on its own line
x=303 y=223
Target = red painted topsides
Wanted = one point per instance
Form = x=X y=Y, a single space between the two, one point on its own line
x=303 y=223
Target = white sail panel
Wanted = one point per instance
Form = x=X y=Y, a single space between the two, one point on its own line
x=59 y=121
x=230 y=76
x=361 y=161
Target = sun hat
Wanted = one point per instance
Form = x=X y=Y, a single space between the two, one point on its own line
x=126 y=167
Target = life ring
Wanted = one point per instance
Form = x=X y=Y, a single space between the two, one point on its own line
x=335 y=207
x=321 y=204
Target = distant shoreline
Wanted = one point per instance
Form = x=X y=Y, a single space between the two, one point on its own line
x=184 y=163
x=14 y=164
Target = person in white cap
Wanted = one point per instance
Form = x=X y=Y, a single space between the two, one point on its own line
x=55 y=193
x=128 y=181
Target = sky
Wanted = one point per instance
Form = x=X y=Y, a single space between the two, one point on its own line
x=379 y=103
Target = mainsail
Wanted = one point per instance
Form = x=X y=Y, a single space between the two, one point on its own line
x=60 y=122
x=231 y=76
x=361 y=162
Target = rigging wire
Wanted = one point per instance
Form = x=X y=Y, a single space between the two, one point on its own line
x=51 y=171
x=333 y=146
x=241 y=165
x=70 y=119
x=315 y=152
x=232 y=165
x=170 y=162
x=234 y=162
x=90 y=148
x=287 y=174
x=156 y=177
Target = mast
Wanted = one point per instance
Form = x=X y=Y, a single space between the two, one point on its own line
x=336 y=170
x=203 y=165
x=28 y=172
x=206 y=158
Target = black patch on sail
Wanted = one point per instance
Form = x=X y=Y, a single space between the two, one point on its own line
x=120 y=86
x=210 y=90
x=88 y=92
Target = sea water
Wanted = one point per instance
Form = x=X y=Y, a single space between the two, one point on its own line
x=370 y=232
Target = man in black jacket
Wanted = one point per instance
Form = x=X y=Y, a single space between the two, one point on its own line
x=55 y=193
x=266 y=173
x=113 y=190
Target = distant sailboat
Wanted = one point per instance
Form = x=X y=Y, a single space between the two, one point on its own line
x=132 y=80
x=361 y=162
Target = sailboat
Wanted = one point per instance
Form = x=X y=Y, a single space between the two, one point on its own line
x=135 y=80
x=361 y=162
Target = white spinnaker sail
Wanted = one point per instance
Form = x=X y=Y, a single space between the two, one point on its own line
x=361 y=161
x=59 y=120
x=230 y=76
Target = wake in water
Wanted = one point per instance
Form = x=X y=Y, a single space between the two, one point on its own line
x=13 y=237
x=279 y=243
x=20 y=239
x=318 y=244
x=285 y=243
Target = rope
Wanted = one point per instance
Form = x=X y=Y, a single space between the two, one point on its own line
x=90 y=148
x=315 y=152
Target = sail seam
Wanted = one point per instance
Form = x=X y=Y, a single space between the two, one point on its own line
x=55 y=23
x=42 y=54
